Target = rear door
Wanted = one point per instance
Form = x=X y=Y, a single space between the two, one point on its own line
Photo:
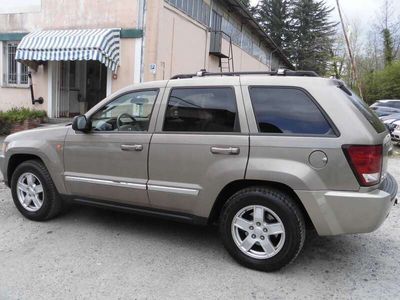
x=200 y=145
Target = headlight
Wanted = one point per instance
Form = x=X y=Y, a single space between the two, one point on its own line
x=397 y=127
x=4 y=148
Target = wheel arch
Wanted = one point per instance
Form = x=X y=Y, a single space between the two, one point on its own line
x=235 y=186
x=16 y=159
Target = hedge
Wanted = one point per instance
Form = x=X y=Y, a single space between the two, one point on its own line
x=18 y=115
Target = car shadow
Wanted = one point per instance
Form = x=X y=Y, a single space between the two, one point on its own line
x=321 y=255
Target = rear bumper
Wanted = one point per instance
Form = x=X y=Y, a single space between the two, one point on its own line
x=338 y=212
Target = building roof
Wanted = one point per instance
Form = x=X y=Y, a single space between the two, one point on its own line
x=243 y=12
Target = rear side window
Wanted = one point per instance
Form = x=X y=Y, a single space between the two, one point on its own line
x=367 y=113
x=289 y=111
x=202 y=110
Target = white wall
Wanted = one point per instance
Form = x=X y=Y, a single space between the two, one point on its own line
x=20 y=6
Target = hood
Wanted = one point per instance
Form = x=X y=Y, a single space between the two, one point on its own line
x=48 y=132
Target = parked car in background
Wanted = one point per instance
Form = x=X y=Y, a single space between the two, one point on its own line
x=259 y=155
x=389 y=121
x=390 y=118
x=386 y=107
x=395 y=131
x=392 y=123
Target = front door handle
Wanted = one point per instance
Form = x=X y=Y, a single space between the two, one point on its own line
x=131 y=147
x=225 y=150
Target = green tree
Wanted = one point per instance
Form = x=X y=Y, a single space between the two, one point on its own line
x=312 y=35
x=275 y=16
x=388 y=49
x=383 y=84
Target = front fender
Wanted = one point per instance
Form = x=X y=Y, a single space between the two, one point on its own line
x=47 y=145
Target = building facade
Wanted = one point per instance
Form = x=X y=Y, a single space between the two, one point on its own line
x=80 y=51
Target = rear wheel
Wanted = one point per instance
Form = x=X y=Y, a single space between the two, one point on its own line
x=262 y=228
x=34 y=192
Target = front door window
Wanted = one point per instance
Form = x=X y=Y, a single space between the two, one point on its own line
x=129 y=112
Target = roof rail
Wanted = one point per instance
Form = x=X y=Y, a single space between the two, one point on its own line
x=280 y=72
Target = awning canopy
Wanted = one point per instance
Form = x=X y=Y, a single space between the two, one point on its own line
x=102 y=45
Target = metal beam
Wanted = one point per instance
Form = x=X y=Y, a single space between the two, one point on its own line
x=126 y=33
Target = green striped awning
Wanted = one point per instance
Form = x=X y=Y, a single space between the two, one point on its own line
x=102 y=45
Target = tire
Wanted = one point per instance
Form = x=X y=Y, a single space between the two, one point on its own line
x=283 y=227
x=47 y=204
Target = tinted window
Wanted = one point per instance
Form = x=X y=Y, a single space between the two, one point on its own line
x=202 y=110
x=367 y=113
x=287 y=111
x=129 y=112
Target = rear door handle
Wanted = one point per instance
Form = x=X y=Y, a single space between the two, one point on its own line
x=225 y=150
x=131 y=147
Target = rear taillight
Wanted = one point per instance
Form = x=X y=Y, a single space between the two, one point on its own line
x=366 y=162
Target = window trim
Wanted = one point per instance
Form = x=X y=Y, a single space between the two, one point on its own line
x=5 y=83
x=336 y=132
x=203 y=132
x=121 y=95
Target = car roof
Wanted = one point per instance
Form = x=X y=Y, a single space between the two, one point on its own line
x=233 y=80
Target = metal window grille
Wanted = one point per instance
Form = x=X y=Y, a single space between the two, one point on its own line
x=196 y=9
x=15 y=72
x=12 y=64
x=200 y=11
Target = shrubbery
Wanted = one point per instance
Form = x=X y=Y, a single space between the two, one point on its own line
x=383 y=84
x=18 y=115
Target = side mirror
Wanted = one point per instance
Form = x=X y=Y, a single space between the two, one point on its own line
x=80 y=123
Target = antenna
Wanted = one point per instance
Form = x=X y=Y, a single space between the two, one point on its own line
x=352 y=59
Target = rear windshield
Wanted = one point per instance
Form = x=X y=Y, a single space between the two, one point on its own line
x=365 y=110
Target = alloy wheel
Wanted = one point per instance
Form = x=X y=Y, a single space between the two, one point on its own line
x=258 y=232
x=30 y=192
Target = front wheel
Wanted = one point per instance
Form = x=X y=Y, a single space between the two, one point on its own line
x=262 y=228
x=34 y=192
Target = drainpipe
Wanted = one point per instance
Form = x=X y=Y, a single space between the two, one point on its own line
x=208 y=33
x=139 y=47
x=270 y=58
x=39 y=100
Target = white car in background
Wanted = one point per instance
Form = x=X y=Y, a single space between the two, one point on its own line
x=395 y=134
x=392 y=122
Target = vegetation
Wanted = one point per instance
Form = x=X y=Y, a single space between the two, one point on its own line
x=274 y=18
x=18 y=115
x=383 y=84
x=312 y=42
x=388 y=47
x=301 y=28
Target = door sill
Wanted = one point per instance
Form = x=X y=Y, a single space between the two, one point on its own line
x=148 y=211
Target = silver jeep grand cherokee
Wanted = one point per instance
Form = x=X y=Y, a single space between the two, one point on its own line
x=261 y=155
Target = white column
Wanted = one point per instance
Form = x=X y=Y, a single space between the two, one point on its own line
x=137 y=72
x=109 y=82
x=50 y=86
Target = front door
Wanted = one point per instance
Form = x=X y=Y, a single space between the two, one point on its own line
x=200 y=145
x=110 y=162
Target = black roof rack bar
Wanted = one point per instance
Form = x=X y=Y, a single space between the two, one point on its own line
x=281 y=72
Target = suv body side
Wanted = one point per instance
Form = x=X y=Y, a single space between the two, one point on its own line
x=331 y=195
x=184 y=175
